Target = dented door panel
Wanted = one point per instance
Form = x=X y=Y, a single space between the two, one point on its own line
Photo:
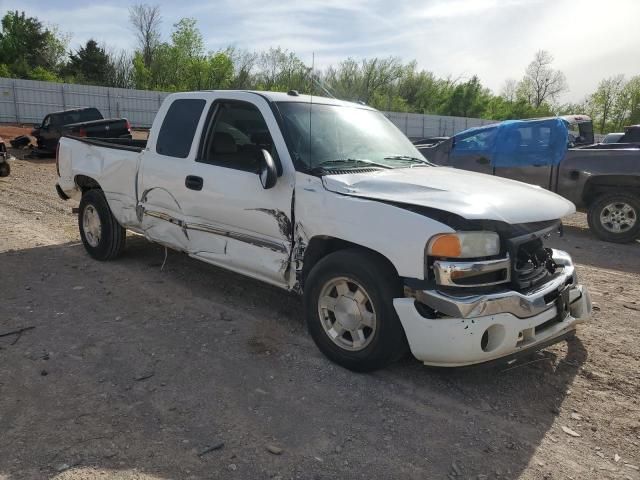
x=255 y=223
x=231 y=221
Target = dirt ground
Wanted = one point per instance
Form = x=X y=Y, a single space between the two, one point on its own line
x=130 y=371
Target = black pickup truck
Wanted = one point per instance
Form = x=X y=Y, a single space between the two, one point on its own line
x=81 y=122
x=601 y=179
x=631 y=135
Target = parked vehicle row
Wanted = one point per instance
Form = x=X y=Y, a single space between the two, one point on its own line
x=330 y=200
x=601 y=179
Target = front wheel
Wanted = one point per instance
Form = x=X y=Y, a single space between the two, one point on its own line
x=349 y=310
x=101 y=234
x=613 y=217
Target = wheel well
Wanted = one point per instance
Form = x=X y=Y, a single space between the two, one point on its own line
x=608 y=183
x=86 y=183
x=320 y=247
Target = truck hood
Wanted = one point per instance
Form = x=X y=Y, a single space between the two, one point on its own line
x=474 y=196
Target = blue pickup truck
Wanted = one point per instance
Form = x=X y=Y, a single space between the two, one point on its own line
x=557 y=154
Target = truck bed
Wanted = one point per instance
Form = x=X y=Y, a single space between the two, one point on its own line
x=129 y=144
x=111 y=162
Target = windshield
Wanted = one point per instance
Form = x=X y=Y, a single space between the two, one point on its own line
x=334 y=136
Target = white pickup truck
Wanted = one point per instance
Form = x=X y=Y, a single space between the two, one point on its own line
x=329 y=199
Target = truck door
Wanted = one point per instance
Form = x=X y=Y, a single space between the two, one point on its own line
x=471 y=151
x=529 y=144
x=50 y=132
x=232 y=221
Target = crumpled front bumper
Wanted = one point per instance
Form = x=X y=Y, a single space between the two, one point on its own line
x=481 y=328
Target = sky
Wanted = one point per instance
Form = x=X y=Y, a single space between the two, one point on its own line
x=589 y=39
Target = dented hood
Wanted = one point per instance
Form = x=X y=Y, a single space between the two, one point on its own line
x=468 y=194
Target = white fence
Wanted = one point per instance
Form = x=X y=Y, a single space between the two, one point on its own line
x=416 y=125
x=28 y=101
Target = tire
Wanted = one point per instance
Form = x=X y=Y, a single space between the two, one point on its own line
x=622 y=210
x=372 y=285
x=5 y=169
x=102 y=236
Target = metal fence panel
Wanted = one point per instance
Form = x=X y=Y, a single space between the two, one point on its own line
x=415 y=125
x=28 y=101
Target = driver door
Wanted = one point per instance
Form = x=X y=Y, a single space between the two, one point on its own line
x=232 y=221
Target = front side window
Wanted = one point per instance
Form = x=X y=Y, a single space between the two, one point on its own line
x=238 y=136
x=475 y=141
x=179 y=127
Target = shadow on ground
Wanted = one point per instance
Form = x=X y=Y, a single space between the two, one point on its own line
x=587 y=249
x=192 y=372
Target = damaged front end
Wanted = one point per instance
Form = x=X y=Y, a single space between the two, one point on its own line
x=474 y=310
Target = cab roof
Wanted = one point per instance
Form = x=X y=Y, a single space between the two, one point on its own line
x=297 y=98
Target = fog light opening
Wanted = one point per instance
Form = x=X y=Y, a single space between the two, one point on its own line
x=492 y=338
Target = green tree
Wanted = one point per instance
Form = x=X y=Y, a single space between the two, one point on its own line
x=182 y=63
x=422 y=91
x=25 y=44
x=281 y=70
x=604 y=101
x=468 y=99
x=632 y=94
x=90 y=64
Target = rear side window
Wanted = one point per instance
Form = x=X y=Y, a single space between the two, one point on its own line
x=89 y=115
x=77 y=116
x=179 y=127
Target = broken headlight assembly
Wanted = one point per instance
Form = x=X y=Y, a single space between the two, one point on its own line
x=464 y=245
x=467 y=259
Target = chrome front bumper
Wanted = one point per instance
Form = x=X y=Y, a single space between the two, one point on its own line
x=522 y=305
x=471 y=329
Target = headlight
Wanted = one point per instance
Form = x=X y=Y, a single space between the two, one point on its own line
x=464 y=245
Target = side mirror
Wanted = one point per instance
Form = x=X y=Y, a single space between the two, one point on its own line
x=267 y=170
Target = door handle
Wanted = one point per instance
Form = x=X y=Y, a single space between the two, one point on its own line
x=483 y=161
x=193 y=182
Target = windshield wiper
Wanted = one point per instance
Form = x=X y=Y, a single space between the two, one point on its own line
x=410 y=159
x=351 y=160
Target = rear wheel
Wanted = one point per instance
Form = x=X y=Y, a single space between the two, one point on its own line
x=101 y=234
x=349 y=310
x=613 y=217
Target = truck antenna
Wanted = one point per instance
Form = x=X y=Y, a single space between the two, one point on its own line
x=313 y=64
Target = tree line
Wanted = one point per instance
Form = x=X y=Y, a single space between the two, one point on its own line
x=31 y=50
